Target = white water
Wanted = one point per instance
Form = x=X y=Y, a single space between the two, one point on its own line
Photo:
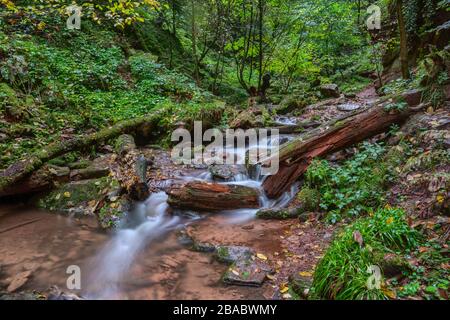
x=150 y=221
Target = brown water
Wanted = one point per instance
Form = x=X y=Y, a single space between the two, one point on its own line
x=42 y=245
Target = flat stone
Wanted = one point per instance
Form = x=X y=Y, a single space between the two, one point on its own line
x=246 y=272
x=232 y=254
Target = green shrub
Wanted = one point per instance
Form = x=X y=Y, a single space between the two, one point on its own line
x=342 y=272
x=355 y=187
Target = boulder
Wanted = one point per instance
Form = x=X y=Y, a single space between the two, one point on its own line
x=232 y=254
x=330 y=90
x=246 y=272
x=300 y=284
x=226 y=172
x=412 y=97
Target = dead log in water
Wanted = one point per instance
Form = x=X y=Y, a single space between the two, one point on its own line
x=204 y=196
x=295 y=156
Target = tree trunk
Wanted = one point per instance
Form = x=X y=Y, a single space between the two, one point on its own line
x=21 y=169
x=41 y=180
x=295 y=156
x=205 y=196
x=403 y=40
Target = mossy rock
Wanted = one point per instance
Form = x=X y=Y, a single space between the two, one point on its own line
x=280 y=213
x=290 y=104
x=10 y=104
x=231 y=254
x=309 y=198
x=110 y=215
x=300 y=285
x=72 y=196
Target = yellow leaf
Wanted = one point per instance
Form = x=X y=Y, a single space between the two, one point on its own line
x=389 y=220
x=67 y=194
x=270 y=277
x=305 y=273
x=390 y=293
x=284 y=289
x=261 y=256
x=440 y=198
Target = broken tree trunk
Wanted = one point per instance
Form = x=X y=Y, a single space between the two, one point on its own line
x=295 y=156
x=129 y=167
x=21 y=169
x=204 y=196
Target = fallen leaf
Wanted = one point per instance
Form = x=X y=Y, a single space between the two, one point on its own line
x=305 y=273
x=261 y=256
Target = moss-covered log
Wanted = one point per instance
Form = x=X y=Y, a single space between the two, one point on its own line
x=205 y=196
x=21 y=169
x=130 y=168
x=294 y=157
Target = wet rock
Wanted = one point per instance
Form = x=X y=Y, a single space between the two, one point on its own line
x=25 y=295
x=204 y=247
x=330 y=90
x=226 y=172
x=18 y=281
x=246 y=272
x=232 y=254
x=279 y=213
x=185 y=239
x=348 y=107
x=56 y=294
x=300 y=284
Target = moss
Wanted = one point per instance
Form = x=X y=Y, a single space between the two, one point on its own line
x=309 y=198
x=109 y=216
x=75 y=194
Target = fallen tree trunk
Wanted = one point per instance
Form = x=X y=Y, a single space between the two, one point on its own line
x=40 y=180
x=21 y=169
x=129 y=167
x=204 y=196
x=294 y=157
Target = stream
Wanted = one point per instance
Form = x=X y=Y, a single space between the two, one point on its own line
x=143 y=258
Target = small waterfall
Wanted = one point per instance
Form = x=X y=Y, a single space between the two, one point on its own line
x=114 y=261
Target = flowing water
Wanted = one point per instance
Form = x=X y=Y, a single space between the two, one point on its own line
x=141 y=260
